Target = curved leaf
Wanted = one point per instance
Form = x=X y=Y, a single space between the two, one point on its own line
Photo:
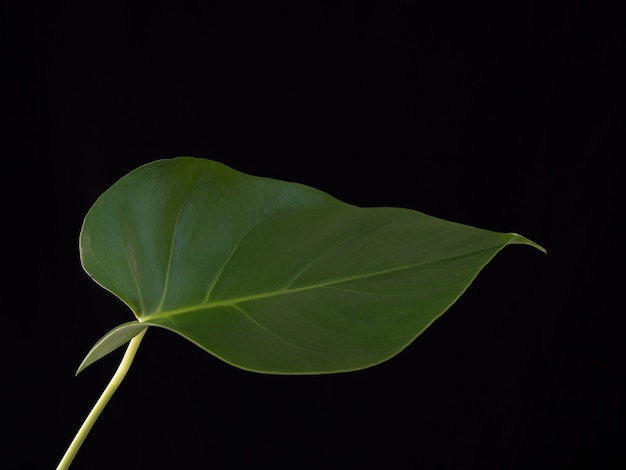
x=272 y=276
x=115 y=338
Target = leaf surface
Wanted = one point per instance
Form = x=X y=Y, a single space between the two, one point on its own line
x=272 y=276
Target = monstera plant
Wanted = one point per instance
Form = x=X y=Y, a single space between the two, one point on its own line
x=270 y=276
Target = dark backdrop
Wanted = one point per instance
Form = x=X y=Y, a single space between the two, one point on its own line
x=503 y=116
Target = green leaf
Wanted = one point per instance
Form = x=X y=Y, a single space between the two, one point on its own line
x=272 y=276
x=115 y=338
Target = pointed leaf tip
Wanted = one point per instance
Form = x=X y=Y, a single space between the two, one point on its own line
x=521 y=240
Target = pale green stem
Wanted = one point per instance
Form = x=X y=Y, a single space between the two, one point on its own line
x=117 y=378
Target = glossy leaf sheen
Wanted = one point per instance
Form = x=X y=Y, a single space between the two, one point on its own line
x=272 y=276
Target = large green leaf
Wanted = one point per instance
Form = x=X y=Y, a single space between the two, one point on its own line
x=272 y=276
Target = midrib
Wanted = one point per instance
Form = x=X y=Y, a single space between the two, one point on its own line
x=286 y=291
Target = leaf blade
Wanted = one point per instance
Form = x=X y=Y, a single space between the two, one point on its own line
x=273 y=276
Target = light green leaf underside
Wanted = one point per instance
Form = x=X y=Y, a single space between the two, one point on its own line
x=115 y=338
x=273 y=276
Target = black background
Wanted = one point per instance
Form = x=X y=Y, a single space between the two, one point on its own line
x=504 y=116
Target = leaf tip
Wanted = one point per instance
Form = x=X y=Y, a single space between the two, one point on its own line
x=521 y=240
x=87 y=361
x=81 y=367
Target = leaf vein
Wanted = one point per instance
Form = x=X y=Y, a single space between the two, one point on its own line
x=264 y=328
x=319 y=285
x=168 y=270
x=226 y=261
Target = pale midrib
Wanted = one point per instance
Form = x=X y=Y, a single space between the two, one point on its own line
x=286 y=291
